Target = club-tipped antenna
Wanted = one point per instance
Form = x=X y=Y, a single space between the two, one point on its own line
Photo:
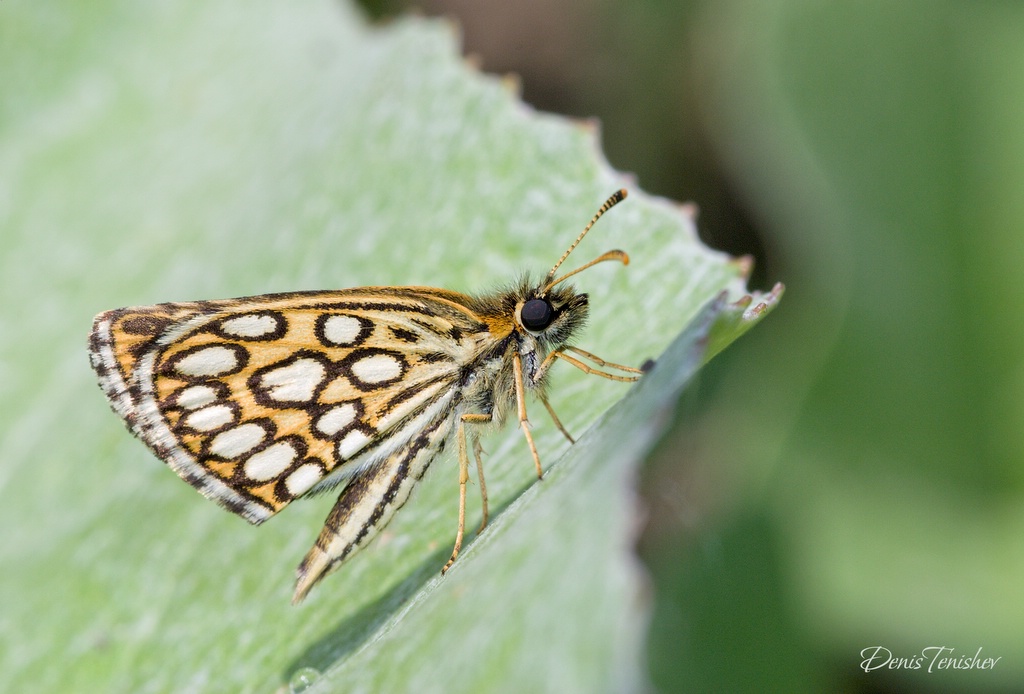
x=611 y=202
x=610 y=255
x=617 y=197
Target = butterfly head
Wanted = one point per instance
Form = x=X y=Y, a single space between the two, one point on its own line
x=551 y=313
x=551 y=318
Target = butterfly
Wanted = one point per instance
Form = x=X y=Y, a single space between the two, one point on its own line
x=261 y=400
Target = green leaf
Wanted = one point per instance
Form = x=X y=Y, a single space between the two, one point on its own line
x=192 y=150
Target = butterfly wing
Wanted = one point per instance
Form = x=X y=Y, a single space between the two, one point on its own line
x=257 y=401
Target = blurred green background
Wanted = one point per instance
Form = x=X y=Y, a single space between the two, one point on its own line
x=849 y=475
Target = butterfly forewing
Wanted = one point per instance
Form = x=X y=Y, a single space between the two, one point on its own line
x=257 y=401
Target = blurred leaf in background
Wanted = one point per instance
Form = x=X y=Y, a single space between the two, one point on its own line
x=851 y=475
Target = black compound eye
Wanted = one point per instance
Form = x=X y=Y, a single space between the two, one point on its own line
x=536 y=314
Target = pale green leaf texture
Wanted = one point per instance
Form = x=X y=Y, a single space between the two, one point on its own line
x=187 y=150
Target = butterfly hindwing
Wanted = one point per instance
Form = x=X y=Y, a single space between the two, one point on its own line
x=257 y=401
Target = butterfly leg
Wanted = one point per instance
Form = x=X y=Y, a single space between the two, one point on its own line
x=477 y=453
x=555 y=419
x=517 y=366
x=601 y=362
x=634 y=374
x=464 y=479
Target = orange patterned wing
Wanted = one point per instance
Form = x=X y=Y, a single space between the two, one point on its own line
x=257 y=401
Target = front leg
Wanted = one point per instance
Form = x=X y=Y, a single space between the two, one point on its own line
x=560 y=353
x=517 y=368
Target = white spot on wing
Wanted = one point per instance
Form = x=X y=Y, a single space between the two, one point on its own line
x=341 y=330
x=335 y=419
x=210 y=418
x=196 y=396
x=296 y=382
x=377 y=368
x=304 y=477
x=209 y=361
x=252 y=325
x=237 y=440
x=271 y=461
x=352 y=444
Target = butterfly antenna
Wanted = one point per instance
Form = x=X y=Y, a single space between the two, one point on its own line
x=617 y=197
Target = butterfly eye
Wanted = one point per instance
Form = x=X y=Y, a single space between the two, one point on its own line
x=536 y=315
